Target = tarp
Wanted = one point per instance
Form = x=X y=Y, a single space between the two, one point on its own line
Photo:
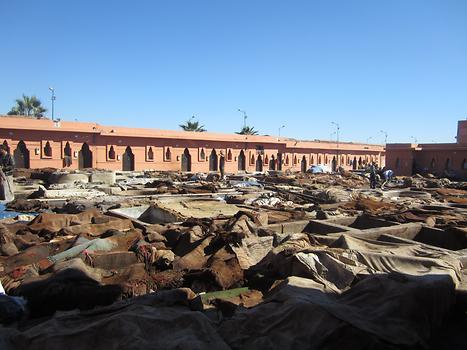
x=380 y=312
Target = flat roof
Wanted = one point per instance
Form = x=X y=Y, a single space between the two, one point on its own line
x=19 y=123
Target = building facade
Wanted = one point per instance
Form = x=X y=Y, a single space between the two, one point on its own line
x=436 y=158
x=75 y=145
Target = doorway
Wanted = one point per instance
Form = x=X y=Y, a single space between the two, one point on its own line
x=186 y=160
x=21 y=155
x=128 y=160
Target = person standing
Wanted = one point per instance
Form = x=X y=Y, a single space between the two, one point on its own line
x=222 y=165
x=372 y=176
x=7 y=164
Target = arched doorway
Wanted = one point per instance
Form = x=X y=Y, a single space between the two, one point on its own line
x=67 y=159
x=360 y=162
x=186 y=160
x=279 y=161
x=128 y=160
x=21 y=155
x=303 y=165
x=334 y=164
x=354 y=163
x=272 y=163
x=241 y=161
x=85 y=157
x=213 y=161
x=259 y=163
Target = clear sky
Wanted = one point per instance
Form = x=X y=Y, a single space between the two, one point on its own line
x=396 y=65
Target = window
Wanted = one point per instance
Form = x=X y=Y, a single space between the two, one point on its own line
x=47 y=150
x=229 y=155
x=252 y=160
x=266 y=160
x=295 y=159
x=287 y=160
x=150 y=155
x=67 y=150
x=202 y=154
x=167 y=155
x=111 y=153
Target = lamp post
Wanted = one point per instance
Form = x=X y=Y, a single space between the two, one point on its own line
x=244 y=117
x=282 y=127
x=52 y=90
x=385 y=136
x=337 y=137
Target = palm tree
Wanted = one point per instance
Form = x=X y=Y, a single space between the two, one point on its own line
x=29 y=106
x=248 y=130
x=192 y=125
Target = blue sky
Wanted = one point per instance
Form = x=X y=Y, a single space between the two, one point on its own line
x=396 y=65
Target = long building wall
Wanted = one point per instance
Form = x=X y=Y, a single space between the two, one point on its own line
x=73 y=145
x=440 y=159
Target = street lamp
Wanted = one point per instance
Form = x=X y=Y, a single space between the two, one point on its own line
x=244 y=117
x=52 y=90
x=385 y=136
x=337 y=137
x=282 y=127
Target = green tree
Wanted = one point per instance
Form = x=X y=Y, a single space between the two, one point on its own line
x=192 y=125
x=30 y=106
x=247 y=130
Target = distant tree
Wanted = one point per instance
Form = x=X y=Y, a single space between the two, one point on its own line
x=247 y=130
x=192 y=125
x=30 y=106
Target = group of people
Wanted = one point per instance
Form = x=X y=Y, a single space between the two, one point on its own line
x=375 y=172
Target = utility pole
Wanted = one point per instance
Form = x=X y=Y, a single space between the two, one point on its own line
x=244 y=117
x=385 y=136
x=283 y=126
x=337 y=144
x=53 y=101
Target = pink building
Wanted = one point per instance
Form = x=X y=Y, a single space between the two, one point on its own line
x=74 y=145
x=437 y=158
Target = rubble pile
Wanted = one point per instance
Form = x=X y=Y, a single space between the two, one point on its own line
x=264 y=261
